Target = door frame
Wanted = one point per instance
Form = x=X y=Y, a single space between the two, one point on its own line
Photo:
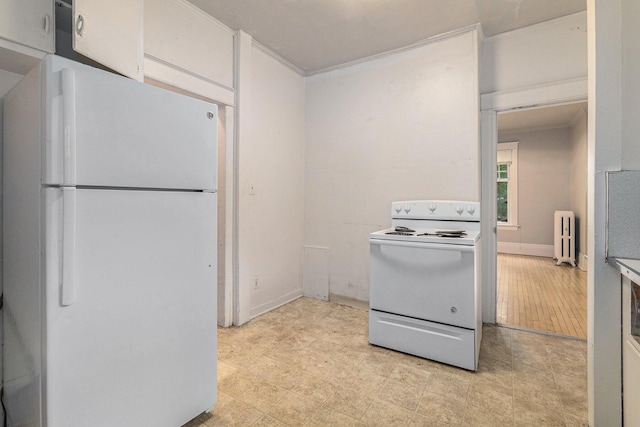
x=563 y=92
x=228 y=220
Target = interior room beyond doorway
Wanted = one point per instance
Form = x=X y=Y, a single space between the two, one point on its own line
x=541 y=169
x=535 y=293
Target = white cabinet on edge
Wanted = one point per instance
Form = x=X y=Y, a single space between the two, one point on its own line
x=189 y=49
x=111 y=33
x=27 y=24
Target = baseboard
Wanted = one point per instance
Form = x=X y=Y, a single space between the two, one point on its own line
x=273 y=304
x=582 y=262
x=351 y=302
x=525 y=249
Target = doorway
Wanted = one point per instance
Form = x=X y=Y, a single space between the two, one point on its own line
x=541 y=168
x=226 y=207
x=491 y=105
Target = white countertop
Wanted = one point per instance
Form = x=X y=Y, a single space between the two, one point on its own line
x=629 y=267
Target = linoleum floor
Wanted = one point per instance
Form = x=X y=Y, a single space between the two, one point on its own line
x=308 y=363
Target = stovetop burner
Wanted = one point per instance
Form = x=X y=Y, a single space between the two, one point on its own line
x=445 y=233
x=405 y=231
x=402 y=231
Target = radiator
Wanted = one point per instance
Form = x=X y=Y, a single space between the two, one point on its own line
x=564 y=233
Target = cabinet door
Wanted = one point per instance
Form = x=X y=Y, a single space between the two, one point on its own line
x=29 y=23
x=110 y=33
x=180 y=34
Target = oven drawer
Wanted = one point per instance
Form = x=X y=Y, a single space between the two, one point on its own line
x=442 y=343
x=435 y=282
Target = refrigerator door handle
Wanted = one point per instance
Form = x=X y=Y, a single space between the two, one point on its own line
x=69 y=125
x=68 y=291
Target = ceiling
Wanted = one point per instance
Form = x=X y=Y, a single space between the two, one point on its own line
x=318 y=34
x=555 y=116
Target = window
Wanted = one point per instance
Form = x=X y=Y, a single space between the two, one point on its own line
x=507 y=185
x=503 y=192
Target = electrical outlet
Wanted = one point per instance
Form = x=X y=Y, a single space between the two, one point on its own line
x=255 y=283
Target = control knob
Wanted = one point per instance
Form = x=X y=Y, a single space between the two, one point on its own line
x=459 y=210
x=407 y=208
x=432 y=207
x=471 y=209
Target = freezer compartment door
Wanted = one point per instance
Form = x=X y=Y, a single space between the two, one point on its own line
x=102 y=129
x=134 y=342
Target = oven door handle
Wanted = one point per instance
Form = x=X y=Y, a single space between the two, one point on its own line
x=419 y=245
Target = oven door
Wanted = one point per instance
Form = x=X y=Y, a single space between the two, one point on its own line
x=430 y=281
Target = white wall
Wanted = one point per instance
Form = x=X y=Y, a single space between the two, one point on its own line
x=551 y=51
x=7 y=81
x=613 y=134
x=631 y=86
x=400 y=127
x=578 y=138
x=271 y=164
x=544 y=186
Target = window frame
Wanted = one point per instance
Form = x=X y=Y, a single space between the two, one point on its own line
x=512 y=180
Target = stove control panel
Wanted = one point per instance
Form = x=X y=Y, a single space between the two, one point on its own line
x=444 y=210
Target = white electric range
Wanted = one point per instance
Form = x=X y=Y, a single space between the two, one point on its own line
x=425 y=296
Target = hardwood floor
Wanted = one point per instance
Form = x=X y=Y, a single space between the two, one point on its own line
x=535 y=293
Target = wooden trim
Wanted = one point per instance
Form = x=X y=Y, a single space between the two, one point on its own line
x=231 y=216
x=488 y=212
x=525 y=249
x=562 y=92
x=164 y=72
x=242 y=83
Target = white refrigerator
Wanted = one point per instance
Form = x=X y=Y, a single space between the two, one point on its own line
x=109 y=233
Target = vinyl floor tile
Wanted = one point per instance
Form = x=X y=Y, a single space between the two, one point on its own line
x=308 y=363
x=402 y=394
x=293 y=409
x=385 y=414
x=326 y=416
x=349 y=402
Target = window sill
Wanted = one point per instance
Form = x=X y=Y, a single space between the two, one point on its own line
x=508 y=227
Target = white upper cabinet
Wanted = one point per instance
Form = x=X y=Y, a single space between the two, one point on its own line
x=187 y=48
x=110 y=32
x=28 y=23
